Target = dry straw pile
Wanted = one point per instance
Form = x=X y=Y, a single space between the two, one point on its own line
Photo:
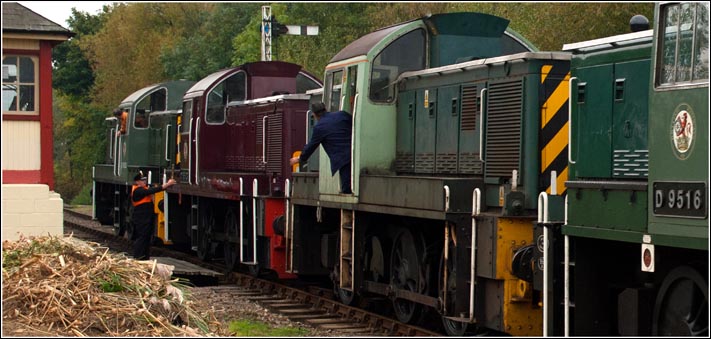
x=72 y=288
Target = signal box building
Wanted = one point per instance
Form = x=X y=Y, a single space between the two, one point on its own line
x=29 y=204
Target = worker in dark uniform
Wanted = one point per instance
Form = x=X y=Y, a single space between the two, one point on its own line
x=143 y=215
x=333 y=132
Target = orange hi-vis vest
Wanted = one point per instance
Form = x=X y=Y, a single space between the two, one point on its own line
x=146 y=199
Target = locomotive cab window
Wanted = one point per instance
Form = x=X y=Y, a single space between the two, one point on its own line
x=407 y=53
x=187 y=113
x=683 y=55
x=155 y=102
x=305 y=83
x=334 y=84
x=231 y=89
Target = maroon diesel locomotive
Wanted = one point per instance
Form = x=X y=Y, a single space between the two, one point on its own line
x=238 y=129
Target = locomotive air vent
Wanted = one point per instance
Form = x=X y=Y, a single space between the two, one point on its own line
x=469 y=108
x=503 y=124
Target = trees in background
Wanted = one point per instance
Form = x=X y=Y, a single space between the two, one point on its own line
x=132 y=45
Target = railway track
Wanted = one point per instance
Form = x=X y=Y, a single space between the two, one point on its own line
x=303 y=302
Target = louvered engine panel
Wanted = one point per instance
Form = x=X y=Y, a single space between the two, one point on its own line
x=470 y=107
x=274 y=142
x=503 y=128
x=469 y=162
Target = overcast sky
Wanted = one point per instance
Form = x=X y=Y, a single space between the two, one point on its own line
x=60 y=11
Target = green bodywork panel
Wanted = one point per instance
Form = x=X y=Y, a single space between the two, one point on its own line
x=429 y=132
x=150 y=147
x=620 y=210
x=667 y=164
x=609 y=118
x=455 y=34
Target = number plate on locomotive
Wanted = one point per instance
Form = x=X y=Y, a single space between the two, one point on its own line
x=681 y=199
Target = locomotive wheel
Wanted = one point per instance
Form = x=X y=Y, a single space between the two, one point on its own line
x=451 y=327
x=375 y=260
x=204 y=243
x=406 y=274
x=119 y=231
x=230 y=248
x=258 y=271
x=681 y=307
x=344 y=296
x=128 y=225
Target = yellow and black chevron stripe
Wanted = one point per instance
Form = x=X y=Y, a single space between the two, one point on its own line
x=177 y=142
x=553 y=137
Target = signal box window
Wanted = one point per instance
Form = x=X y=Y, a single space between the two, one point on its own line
x=407 y=53
x=231 y=89
x=19 y=85
x=684 y=51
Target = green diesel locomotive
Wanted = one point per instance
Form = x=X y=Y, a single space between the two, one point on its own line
x=634 y=246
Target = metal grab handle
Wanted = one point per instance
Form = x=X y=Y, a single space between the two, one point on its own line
x=241 y=219
x=166 y=211
x=197 y=151
x=482 y=111
x=476 y=210
x=308 y=119
x=566 y=277
x=190 y=152
x=112 y=141
x=543 y=218
x=353 y=134
x=167 y=141
x=118 y=154
x=570 y=120
x=288 y=234
x=254 y=220
x=264 y=139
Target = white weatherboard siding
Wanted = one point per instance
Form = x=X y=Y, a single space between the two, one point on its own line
x=21 y=145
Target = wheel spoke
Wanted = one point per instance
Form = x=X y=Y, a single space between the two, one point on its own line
x=229 y=247
x=681 y=308
x=204 y=251
x=405 y=274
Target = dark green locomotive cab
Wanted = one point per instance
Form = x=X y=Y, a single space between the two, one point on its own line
x=152 y=114
x=148 y=144
x=608 y=154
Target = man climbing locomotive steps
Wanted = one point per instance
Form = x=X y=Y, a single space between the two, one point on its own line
x=333 y=132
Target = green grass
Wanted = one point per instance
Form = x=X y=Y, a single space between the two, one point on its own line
x=114 y=285
x=254 y=328
x=12 y=259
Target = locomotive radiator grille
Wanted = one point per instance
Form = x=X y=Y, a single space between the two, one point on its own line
x=503 y=124
x=469 y=162
x=470 y=107
x=274 y=142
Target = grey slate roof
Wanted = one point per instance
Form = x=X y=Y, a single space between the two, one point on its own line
x=20 y=19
